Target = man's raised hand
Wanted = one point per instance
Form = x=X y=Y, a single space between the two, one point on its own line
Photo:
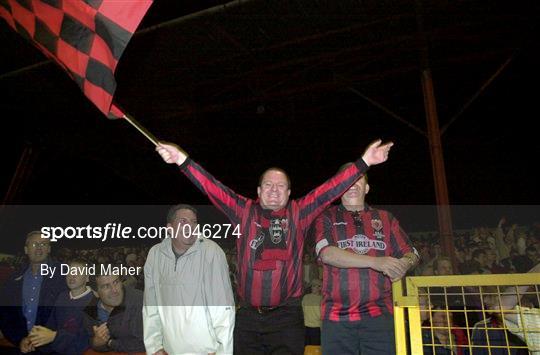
x=376 y=152
x=171 y=153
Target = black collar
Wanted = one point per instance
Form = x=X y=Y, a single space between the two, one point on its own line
x=342 y=208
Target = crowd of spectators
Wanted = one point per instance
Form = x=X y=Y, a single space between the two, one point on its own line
x=471 y=317
x=498 y=250
x=502 y=249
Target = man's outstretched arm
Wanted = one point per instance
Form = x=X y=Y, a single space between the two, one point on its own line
x=321 y=197
x=222 y=197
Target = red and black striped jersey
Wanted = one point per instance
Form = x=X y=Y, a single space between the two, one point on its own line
x=356 y=293
x=281 y=279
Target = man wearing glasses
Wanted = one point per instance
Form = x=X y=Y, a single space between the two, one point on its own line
x=363 y=250
x=28 y=297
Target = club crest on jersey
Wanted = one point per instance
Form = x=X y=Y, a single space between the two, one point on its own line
x=377 y=226
x=278 y=227
x=361 y=244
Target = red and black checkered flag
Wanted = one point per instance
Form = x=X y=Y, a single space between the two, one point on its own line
x=86 y=37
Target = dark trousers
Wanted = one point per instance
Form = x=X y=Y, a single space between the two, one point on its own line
x=277 y=331
x=313 y=336
x=8 y=350
x=369 y=336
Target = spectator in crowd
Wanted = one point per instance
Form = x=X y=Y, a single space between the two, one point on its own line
x=136 y=280
x=64 y=255
x=425 y=266
x=363 y=250
x=502 y=243
x=524 y=322
x=427 y=270
x=440 y=336
x=114 y=320
x=443 y=266
x=527 y=261
x=27 y=298
x=521 y=243
x=270 y=247
x=188 y=299
x=478 y=263
x=436 y=250
x=311 y=270
x=451 y=296
x=64 y=332
x=431 y=343
x=492 y=264
x=488 y=335
x=311 y=305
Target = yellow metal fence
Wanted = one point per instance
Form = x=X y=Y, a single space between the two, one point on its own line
x=467 y=314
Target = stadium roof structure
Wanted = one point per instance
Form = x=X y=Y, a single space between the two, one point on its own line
x=215 y=74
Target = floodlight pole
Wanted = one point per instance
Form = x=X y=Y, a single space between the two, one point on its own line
x=435 y=145
x=437 y=162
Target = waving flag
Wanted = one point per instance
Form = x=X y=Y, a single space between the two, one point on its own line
x=86 y=37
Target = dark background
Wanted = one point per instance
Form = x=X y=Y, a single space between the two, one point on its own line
x=262 y=84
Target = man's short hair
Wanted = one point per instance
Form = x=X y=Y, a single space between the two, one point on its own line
x=79 y=261
x=131 y=258
x=438 y=260
x=275 y=168
x=346 y=165
x=182 y=206
x=100 y=268
x=38 y=232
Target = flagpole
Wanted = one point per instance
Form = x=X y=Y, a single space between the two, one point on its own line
x=141 y=129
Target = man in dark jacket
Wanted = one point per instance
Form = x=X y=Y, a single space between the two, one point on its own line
x=28 y=297
x=114 y=321
x=65 y=333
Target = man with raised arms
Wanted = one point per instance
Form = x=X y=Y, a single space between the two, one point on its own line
x=269 y=249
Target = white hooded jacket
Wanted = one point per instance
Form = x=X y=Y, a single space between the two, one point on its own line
x=188 y=302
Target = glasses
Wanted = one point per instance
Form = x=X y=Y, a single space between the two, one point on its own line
x=39 y=244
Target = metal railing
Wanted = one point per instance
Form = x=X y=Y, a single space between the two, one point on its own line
x=465 y=314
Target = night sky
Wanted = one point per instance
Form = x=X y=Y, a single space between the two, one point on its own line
x=81 y=158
